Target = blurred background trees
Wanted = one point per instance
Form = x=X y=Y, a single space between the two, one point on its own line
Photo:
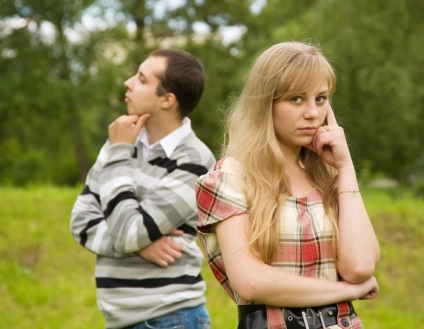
x=63 y=64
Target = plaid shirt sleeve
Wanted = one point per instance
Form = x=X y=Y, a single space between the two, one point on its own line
x=219 y=194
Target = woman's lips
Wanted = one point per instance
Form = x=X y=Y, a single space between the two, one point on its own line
x=309 y=130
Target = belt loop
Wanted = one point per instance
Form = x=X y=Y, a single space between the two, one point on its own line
x=305 y=320
x=322 y=320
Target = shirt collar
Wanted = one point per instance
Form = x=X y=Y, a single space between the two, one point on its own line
x=170 y=141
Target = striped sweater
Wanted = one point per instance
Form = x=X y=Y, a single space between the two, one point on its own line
x=127 y=203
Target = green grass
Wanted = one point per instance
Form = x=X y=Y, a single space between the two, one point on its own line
x=47 y=278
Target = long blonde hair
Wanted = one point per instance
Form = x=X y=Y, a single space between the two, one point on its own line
x=284 y=70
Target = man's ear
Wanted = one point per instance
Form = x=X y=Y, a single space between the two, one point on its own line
x=169 y=100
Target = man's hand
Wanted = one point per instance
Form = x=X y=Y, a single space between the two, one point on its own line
x=126 y=128
x=163 y=251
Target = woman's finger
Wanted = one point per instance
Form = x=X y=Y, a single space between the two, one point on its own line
x=331 y=118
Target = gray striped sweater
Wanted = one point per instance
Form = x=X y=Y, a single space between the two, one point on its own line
x=127 y=203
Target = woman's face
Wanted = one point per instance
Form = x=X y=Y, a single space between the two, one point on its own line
x=296 y=119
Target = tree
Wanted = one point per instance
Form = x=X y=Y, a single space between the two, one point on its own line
x=45 y=88
x=376 y=49
x=62 y=78
x=175 y=26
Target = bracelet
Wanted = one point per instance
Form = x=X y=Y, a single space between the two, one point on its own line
x=354 y=192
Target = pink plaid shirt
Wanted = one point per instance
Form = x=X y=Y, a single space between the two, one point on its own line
x=305 y=246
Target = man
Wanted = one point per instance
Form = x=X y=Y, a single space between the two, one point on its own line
x=137 y=212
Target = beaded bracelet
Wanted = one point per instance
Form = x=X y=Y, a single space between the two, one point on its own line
x=354 y=192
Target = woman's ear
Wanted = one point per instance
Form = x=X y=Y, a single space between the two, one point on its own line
x=169 y=100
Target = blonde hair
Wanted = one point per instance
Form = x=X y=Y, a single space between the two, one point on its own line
x=283 y=71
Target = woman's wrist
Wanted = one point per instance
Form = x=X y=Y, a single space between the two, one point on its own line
x=353 y=192
x=348 y=168
x=347 y=180
x=351 y=291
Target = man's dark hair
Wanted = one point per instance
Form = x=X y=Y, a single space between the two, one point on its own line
x=184 y=76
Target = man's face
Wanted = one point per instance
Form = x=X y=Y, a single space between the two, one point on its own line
x=141 y=96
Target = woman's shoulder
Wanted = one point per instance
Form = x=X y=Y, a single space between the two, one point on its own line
x=226 y=176
x=220 y=193
x=228 y=165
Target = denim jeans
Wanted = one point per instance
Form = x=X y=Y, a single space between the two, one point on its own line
x=186 y=318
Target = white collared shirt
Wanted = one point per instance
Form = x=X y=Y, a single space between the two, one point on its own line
x=169 y=142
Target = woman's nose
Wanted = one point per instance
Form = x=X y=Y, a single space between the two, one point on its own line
x=311 y=110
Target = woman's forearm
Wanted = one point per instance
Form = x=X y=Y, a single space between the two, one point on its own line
x=358 y=249
x=253 y=280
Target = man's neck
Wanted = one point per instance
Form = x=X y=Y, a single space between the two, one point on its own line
x=158 y=129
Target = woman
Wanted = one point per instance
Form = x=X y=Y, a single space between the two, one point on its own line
x=281 y=218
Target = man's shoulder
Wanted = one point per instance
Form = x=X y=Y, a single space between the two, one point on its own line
x=194 y=150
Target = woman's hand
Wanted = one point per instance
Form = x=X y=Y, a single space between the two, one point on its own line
x=330 y=143
x=373 y=289
x=368 y=289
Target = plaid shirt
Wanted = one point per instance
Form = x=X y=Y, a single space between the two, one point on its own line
x=305 y=246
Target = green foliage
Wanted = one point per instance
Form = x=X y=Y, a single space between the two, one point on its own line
x=373 y=48
x=418 y=187
x=59 y=92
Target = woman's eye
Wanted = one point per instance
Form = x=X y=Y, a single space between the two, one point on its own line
x=321 y=99
x=296 y=99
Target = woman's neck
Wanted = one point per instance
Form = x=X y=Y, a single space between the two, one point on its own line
x=300 y=185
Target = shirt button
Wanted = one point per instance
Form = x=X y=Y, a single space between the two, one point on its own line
x=345 y=322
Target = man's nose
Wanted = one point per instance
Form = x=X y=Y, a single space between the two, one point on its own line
x=127 y=84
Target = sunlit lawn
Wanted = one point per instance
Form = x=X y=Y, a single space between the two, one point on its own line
x=47 y=278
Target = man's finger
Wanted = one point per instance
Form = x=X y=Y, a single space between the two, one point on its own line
x=176 y=246
x=142 y=120
x=176 y=232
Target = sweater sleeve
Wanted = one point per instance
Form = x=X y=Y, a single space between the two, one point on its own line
x=137 y=219
x=88 y=225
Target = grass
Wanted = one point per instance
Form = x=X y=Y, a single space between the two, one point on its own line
x=397 y=218
x=47 y=278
